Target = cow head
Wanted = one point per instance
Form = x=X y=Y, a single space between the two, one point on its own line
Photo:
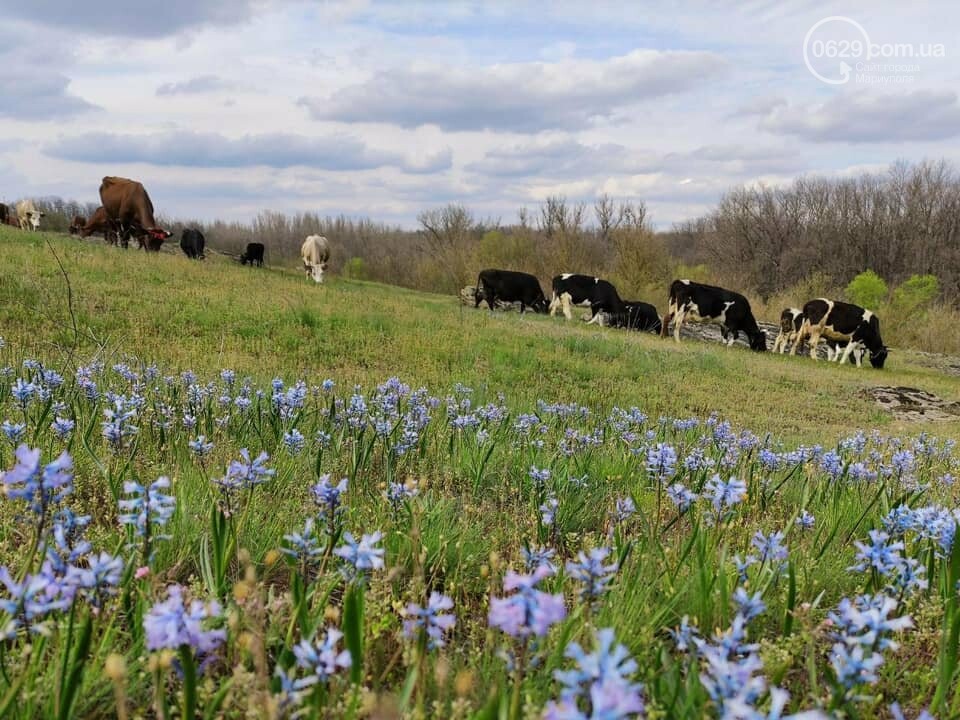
x=34 y=219
x=758 y=341
x=879 y=357
x=540 y=305
x=315 y=270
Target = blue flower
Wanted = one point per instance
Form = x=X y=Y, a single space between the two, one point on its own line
x=548 y=511
x=27 y=603
x=897 y=713
x=41 y=489
x=528 y=611
x=592 y=573
x=600 y=686
x=146 y=507
x=327 y=496
x=725 y=495
x=321 y=660
x=533 y=558
x=200 y=447
x=327 y=385
x=681 y=497
x=398 y=493
x=770 y=547
x=623 y=509
x=539 y=477
x=805 y=520
x=361 y=555
x=23 y=391
x=747 y=605
x=245 y=474
x=432 y=619
x=170 y=625
x=304 y=547
x=62 y=427
x=99 y=579
x=661 y=461
x=294 y=441
x=13 y=431
x=879 y=555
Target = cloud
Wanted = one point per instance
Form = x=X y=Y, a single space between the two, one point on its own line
x=197 y=85
x=571 y=159
x=519 y=97
x=211 y=150
x=870 y=117
x=36 y=94
x=133 y=18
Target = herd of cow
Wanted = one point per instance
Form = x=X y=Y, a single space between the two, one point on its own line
x=126 y=212
x=849 y=331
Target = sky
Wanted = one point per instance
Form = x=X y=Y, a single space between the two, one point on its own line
x=224 y=108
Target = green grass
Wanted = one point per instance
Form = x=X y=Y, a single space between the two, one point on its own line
x=218 y=314
x=477 y=504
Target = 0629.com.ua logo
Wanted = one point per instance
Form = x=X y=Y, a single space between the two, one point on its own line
x=838 y=49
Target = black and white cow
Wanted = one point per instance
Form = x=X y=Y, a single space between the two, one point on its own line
x=638 y=316
x=844 y=323
x=570 y=289
x=694 y=302
x=192 y=243
x=510 y=286
x=791 y=320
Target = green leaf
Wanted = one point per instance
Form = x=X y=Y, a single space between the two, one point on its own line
x=353 y=629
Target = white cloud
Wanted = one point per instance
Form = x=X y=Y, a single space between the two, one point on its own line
x=199 y=85
x=519 y=97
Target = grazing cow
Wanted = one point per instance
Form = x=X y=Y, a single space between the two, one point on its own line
x=570 y=289
x=253 y=254
x=791 y=320
x=638 y=316
x=4 y=214
x=695 y=302
x=844 y=323
x=315 y=252
x=100 y=222
x=192 y=242
x=76 y=225
x=29 y=215
x=510 y=286
x=128 y=205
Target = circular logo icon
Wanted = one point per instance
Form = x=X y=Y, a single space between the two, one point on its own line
x=833 y=46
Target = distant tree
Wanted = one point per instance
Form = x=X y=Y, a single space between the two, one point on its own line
x=916 y=293
x=867 y=290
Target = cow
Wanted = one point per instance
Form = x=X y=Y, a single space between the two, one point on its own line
x=510 y=286
x=28 y=215
x=192 y=242
x=791 y=320
x=76 y=225
x=572 y=289
x=638 y=316
x=844 y=323
x=12 y=220
x=695 y=302
x=100 y=222
x=253 y=254
x=127 y=204
x=4 y=214
x=315 y=252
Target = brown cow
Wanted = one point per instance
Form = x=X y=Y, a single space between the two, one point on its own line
x=100 y=222
x=76 y=225
x=128 y=205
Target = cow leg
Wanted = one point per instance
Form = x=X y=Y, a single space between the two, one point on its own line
x=846 y=352
x=814 y=342
x=554 y=304
x=490 y=296
x=677 y=322
x=665 y=323
x=595 y=316
x=778 y=342
x=802 y=333
x=565 y=299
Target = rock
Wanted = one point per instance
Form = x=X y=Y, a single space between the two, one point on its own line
x=913 y=404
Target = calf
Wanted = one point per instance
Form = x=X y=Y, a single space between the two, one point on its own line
x=253 y=254
x=570 y=289
x=192 y=243
x=695 y=302
x=844 y=323
x=638 y=316
x=510 y=286
x=791 y=320
x=77 y=224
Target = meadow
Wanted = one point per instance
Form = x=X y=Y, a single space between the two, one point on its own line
x=232 y=493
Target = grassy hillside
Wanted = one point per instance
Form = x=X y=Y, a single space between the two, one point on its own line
x=216 y=314
x=154 y=564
